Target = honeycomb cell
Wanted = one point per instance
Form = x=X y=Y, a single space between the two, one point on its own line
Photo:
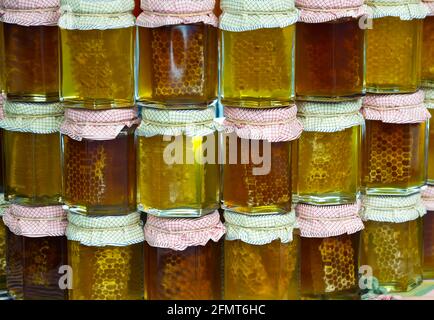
x=428 y=52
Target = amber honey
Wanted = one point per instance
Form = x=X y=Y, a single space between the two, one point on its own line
x=258 y=68
x=33 y=168
x=2 y=178
x=394 y=157
x=330 y=60
x=394 y=252
x=329 y=267
x=178 y=66
x=100 y=175
x=31 y=62
x=428 y=52
x=393 y=55
x=2 y=60
x=2 y=255
x=192 y=274
x=98 y=68
x=262 y=272
x=258 y=188
x=428 y=244
x=328 y=166
x=430 y=162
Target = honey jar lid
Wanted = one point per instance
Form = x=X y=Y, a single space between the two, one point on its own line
x=3 y=204
x=157 y=13
x=101 y=231
x=82 y=124
x=96 y=14
x=259 y=229
x=177 y=122
x=430 y=5
x=396 y=108
x=273 y=125
x=428 y=198
x=35 y=222
x=429 y=97
x=320 y=11
x=247 y=15
x=328 y=221
x=330 y=116
x=404 y=9
x=42 y=118
x=180 y=233
x=395 y=209
x=30 y=12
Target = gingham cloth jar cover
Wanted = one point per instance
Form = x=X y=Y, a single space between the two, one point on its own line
x=96 y=14
x=157 y=13
x=248 y=15
x=429 y=98
x=430 y=5
x=273 y=125
x=177 y=122
x=180 y=233
x=116 y=231
x=319 y=11
x=428 y=198
x=399 y=108
x=40 y=118
x=328 y=221
x=330 y=116
x=36 y=222
x=97 y=125
x=403 y=9
x=31 y=12
x=260 y=230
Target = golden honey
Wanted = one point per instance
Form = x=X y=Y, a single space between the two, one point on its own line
x=393 y=55
x=430 y=162
x=2 y=60
x=428 y=244
x=257 y=68
x=428 y=52
x=98 y=68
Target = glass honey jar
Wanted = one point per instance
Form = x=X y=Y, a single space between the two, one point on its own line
x=394 y=46
x=429 y=103
x=329 y=152
x=178 y=54
x=31 y=50
x=257 y=48
x=330 y=53
x=261 y=257
x=428 y=233
x=394 y=145
x=428 y=51
x=391 y=244
x=178 y=172
x=106 y=256
x=32 y=154
x=99 y=161
x=183 y=258
x=97 y=43
x=36 y=252
x=330 y=240
x=257 y=159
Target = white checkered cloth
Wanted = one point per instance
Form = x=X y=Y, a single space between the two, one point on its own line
x=247 y=15
x=157 y=13
x=41 y=118
x=396 y=108
x=319 y=11
x=180 y=233
x=395 y=209
x=259 y=230
x=31 y=12
x=404 y=9
x=2 y=101
x=430 y=5
x=3 y=204
x=328 y=221
x=96 y=14
x=93 y=231
x=429 y=97
x=428 y=198
x=191 y=123
x=329 y=116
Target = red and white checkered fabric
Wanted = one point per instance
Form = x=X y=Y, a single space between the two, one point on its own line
x=97 y=125
x=2 y=112
x=179 y=234
x=328 y=221
x=31 y=12
x=274 y=125
x=36 y=222
x=429 y=97
x=396 y=108
x=428 y=198
x=318 y=11
x=404 y=9
x=157 y=13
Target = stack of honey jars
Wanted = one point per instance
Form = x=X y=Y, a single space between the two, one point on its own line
x=105 y=233
x=35 y=221
x=262 y=250
x=394 y=146
x=329 y=85
x=178 y=172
